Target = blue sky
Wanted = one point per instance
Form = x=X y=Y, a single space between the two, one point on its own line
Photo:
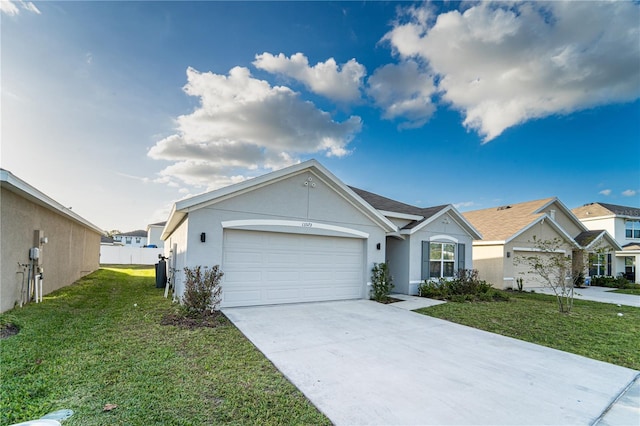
x=119 y=109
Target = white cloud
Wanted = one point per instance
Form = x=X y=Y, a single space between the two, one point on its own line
x=403 y=91
x=30 y=7
x=340 y=83
x=605 y=192
x=244 y=125
x=629 y=193
x=10 y=7
x=504 y=63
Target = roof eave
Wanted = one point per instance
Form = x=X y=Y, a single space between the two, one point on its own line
x=22 y=188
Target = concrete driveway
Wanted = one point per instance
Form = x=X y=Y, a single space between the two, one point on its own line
x=361 y=362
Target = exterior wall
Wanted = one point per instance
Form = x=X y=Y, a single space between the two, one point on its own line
x=615 y=226
x=440 y=231
x=398 y=259
x=541 y=231
x=71 y=252
x=490 y=261
x=135 y=241
x=125 y=255
x=176 y=250
x=153 y=236
x=286 y=200
x=567 y=223
x=609 y=225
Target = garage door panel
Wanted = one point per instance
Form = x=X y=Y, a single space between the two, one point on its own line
x=242 y=277
x=270 y=268
x=283 y=276
x=243 y=298
x=235 y=256
x=282 y=295
x=280 y=258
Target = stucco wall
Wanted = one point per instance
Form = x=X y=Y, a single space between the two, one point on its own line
x=398 y=260
x=567 y=223
x=288 y=199
x=443 y=229
x=489 y=260
x=515 y=267
x=72 y=251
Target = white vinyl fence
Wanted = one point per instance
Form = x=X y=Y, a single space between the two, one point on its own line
x=124 y=255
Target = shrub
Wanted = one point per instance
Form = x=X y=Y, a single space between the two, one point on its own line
x=465 y=286
x=611 y=282
x=381 y=282
x=202 y=291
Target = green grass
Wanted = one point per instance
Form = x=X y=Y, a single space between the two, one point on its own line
x=87 y=346
x=635 y=291
x=592 y=329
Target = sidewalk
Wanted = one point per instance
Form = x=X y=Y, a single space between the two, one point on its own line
x=597 y=294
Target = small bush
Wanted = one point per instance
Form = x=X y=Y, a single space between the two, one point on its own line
x=202 y=291
x=465 y=287
x=381 y=282
x=613 y=282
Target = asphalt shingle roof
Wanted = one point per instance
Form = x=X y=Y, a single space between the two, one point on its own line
x=500 y=223
x=604 y=209
x=387 y=204
x=585 y=238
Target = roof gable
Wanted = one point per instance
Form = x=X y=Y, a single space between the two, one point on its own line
x=504 y=222
x=590 y=239
x=421 y=216
x=182 y=208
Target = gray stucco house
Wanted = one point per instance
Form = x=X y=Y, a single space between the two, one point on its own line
x=300 y=234
x=68 y=245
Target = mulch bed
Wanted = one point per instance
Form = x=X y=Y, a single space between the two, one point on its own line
x=8 y=330
x=208 y=319
x=391 y=300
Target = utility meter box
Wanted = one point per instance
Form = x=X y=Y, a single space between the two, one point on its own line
x=34 y=253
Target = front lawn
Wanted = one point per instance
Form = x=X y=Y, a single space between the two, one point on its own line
x=595 y=330
x=100 y=342
x=635 y=291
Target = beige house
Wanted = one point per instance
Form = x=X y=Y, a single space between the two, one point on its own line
x=623 y=222
x=40 y=237
x=508 y=236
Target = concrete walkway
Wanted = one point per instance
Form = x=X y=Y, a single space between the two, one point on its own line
x=598 y=294
x=364 y=363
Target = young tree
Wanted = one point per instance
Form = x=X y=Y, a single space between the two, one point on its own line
x=554 y=267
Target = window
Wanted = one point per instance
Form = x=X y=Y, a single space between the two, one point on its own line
x=632 y=229
x=137 y=240
x=441 y=259
x=599 y=264
x=127 y=240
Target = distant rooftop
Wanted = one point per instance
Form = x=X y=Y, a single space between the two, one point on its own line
x=593 y=210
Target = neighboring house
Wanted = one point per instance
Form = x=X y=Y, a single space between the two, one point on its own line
x=137 y=238
x=108 y=241
x=431 y=243
x=299 y=234
x=68 y=245
x=508 y=236
x=154 y=232
x=623 y=223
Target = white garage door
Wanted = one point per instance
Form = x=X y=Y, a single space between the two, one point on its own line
x=262 y=268
x=524 y=270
